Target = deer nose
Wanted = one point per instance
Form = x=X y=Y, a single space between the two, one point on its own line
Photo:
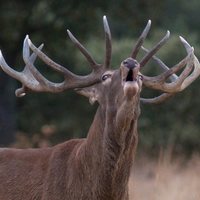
x=130 y=63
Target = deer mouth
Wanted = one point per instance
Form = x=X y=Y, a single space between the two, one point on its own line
x=130 y=69
x=130 y=81
x=130 y=76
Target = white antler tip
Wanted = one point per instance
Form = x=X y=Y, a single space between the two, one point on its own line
x=105 y=22
x=69 y=33
x=168 y=33
x=1 y=58
x=184 y=40
x=186 y=45
x=72 y=38
x=22 y=94
x=106 y=26
x=29 y=42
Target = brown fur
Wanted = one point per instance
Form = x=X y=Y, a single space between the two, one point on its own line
x=95 y=168
x=98 y=167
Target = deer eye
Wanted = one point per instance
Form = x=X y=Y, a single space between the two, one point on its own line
x=105 y=76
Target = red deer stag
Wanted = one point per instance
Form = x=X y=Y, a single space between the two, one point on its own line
x=97 y=167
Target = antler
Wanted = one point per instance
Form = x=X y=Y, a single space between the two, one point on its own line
x=150 y=53
x=33 y=80
x=178 y=83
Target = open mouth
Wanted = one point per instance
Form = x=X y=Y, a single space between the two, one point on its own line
x=130 y=75
x=130 y=82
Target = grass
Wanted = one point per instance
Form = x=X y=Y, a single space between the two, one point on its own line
x=165 y=179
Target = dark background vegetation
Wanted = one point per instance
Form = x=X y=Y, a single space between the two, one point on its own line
x=57 y=117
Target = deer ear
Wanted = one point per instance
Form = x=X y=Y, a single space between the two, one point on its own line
x=89 y=92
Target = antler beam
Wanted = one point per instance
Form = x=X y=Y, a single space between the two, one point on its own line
x=179 y=83
x=33 y=80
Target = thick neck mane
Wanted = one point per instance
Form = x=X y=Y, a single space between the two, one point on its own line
x=111 y=146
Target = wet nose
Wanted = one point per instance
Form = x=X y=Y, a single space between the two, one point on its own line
x=130 y=63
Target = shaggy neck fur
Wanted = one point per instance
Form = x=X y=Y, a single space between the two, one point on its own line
x=111 y=145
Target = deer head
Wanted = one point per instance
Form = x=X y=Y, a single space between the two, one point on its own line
x=33 y=80
x=112 y=139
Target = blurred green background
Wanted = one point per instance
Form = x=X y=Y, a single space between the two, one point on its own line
x=47 y=119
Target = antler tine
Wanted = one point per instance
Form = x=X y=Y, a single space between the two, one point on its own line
x=158 y=82
x=20 y=92
x=45 y=84
x=7 y=69
x=148 y=56
x=48 y=60
x=186 y=44
x=182 y=82
x=141 y=40
x=83 y=50
x=70 y=80
x=108 y=55
x=33 y=80
x=173 y=77
x=17 y=75
x=158 y=99
x=21 y=76
x=26 y=50
x=196 y=72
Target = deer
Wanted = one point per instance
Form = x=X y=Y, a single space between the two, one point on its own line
x=96 y=167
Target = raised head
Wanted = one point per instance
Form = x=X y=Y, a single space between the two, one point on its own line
x=103 y=161
x=126 y=81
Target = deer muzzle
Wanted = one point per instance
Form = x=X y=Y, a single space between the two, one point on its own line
x=129 y=71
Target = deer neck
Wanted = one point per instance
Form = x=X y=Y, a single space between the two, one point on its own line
x=112 y=141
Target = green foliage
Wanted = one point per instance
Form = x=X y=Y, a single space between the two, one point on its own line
x=173 y=123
